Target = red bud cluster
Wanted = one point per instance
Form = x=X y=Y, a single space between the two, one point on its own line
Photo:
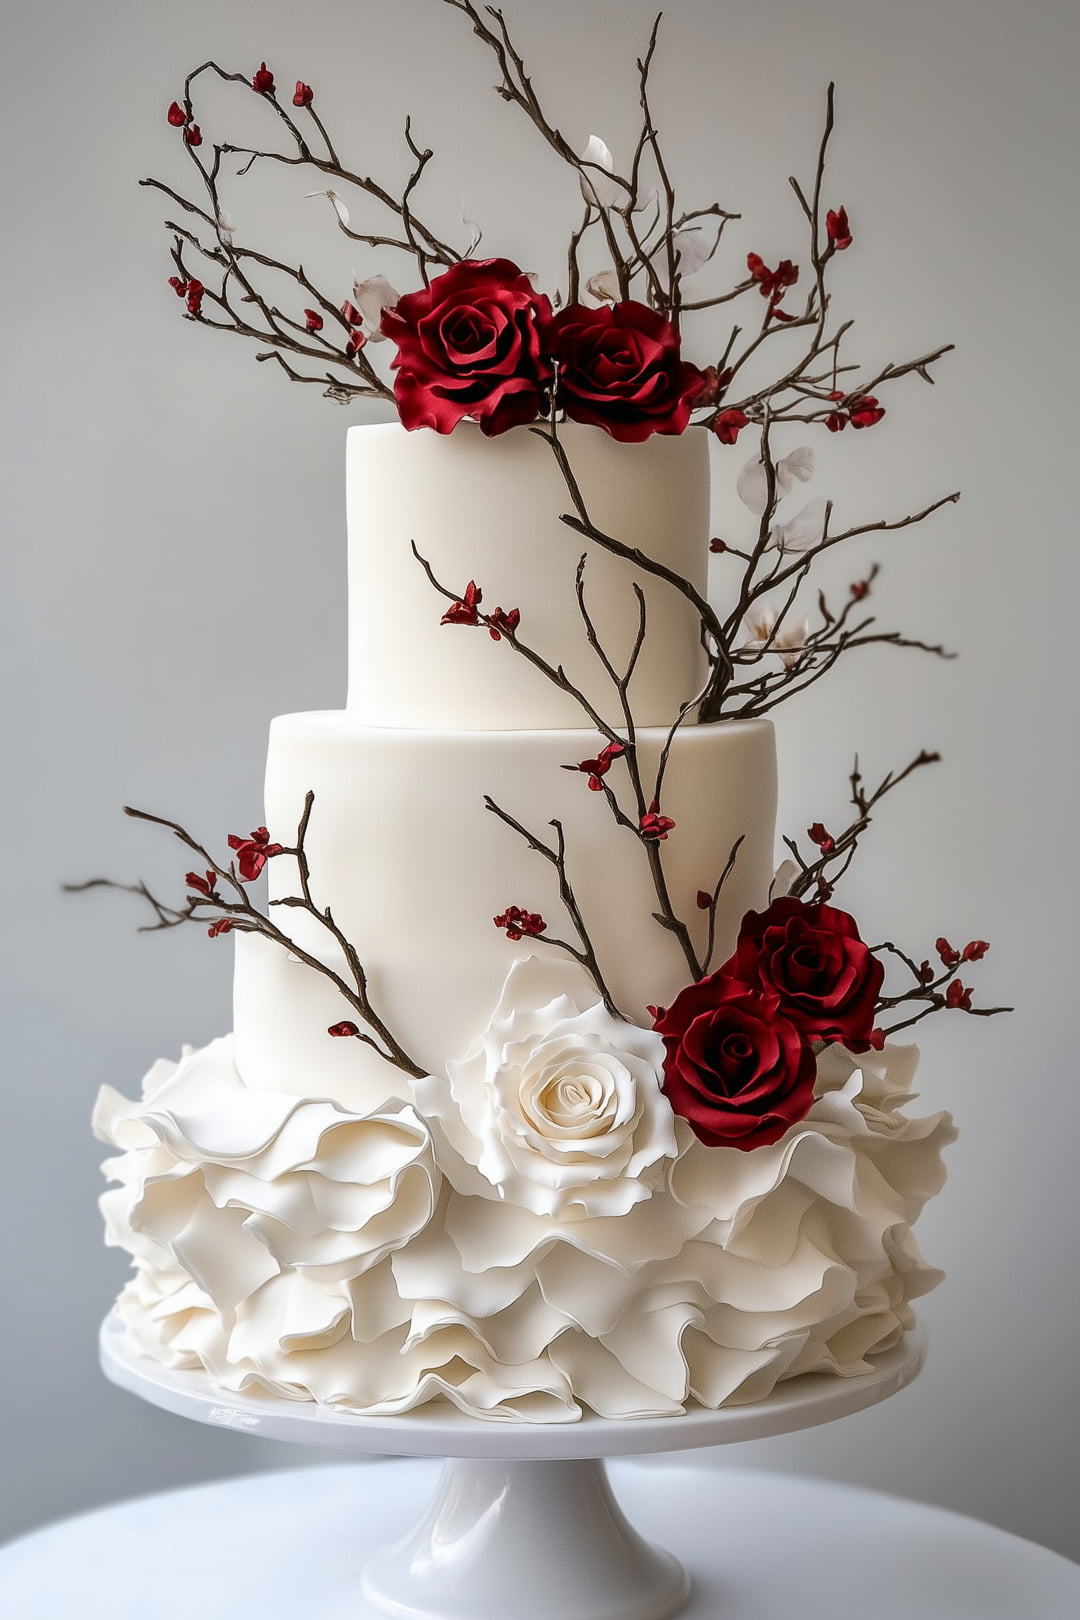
x=467 y=610
x=653 y=827
x=839 y=231
x=502 y=624
x=597 y=768
x=253 y=852
x=729 y=424
x=772 y=284
x=518 y=923
x=263 y=81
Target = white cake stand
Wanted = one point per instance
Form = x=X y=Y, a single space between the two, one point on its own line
x=524 y=1525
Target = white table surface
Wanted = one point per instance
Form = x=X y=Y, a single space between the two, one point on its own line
x=759 y=1546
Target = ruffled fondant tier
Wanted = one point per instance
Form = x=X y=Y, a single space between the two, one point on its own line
x=296 y=1246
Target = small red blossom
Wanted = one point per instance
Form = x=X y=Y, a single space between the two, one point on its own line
x=865 y=411
x=223 y=925
x=958 y=995
x=502 y=624
x=263 y=80
x=313 y=320
x=860 y=588
x=351 y=313
x=193 y=135
x=654 y=827
x=772 y=284
x=202 y=885
x=817 y=835
x=729 y=424
x=926 y=972
x=597 y=768
x=836 y=223
x=974 y=950
x=194 y=291
x=179 y=287
x=518 y=922
x=253 y=852
x=836 y=421
x=356 y=342
x=950 y=956
x=713 y=384
x=704 y=901
x=176 y=115
x=346 y=1027
x=717 y=546
x=303 y=95
x=465 y=611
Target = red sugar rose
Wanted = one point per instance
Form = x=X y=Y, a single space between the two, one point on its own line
x=619 y=368
x=810 y=955
x=735 y=1068
x=472 y=344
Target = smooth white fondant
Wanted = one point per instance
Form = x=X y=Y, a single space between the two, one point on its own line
x=488 y=510
x=416 y=868
x=558 y=1106
x=289 y=1246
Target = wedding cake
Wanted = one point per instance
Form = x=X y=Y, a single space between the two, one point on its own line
x=493 y=1192
x=547 y=1094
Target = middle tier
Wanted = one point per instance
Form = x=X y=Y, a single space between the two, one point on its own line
x=415 y=867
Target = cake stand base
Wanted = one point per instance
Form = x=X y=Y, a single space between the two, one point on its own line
x=551 y=1534
x=524 y=1525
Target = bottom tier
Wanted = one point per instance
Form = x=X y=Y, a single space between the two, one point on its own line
x=355 y=1258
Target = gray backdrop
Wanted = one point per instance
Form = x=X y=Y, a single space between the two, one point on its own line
x=174 y=572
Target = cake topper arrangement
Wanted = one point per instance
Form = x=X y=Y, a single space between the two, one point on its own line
x=478 y=341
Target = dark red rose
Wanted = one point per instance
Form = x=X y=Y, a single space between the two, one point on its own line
x=811 y=956
x=619 y=368
x=735 y=1068
x=473 y=344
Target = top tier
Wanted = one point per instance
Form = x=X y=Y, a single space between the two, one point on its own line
x=488 y=510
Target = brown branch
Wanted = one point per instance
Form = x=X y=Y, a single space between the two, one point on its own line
x=585 y=954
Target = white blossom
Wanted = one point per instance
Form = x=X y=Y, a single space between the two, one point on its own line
x=599 y=189
x=752 y=485
x=335 y=202
x=787 y=640
x=371 y=297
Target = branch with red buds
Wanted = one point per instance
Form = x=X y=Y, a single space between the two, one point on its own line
x=223 y=898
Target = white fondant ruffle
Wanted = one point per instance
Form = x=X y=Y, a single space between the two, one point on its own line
x=288 y=1245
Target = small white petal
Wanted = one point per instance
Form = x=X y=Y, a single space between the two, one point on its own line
x=594 y=187
x=796 y=468
x=604 y=287
x=335 y=201
x=752 y=486
x=371 y=297
x=786 y=873
x=694 y=246
x=805 y=530
x=475 y=233
x=225 y=228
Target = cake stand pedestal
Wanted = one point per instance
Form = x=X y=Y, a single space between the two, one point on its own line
x=524 y=1525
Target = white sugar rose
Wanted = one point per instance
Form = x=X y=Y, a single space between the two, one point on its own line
x=557 y=1107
